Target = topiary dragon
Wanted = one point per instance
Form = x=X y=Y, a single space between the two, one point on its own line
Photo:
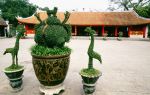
x=91 y=53
x=52 y=32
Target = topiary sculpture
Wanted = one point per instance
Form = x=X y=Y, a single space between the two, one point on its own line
x=52 y=32
x=90 y=71
x=90 y=75
x=15 y=71
x=91 y=53
x=14 y=51
x=120 y=34
x=50 y=56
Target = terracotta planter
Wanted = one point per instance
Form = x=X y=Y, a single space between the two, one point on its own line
x=15 y=78
x=51 y=70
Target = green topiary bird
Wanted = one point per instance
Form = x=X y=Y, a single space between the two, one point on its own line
x=91 y=53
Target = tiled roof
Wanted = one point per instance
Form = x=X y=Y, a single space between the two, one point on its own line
x=2 y=22
x=94 y=18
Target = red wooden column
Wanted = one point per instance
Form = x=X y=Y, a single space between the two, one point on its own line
x=144 y=31
x=116 y=31
x=129 y=30
x=103 y=30
x=75 y=30
x=26 y=27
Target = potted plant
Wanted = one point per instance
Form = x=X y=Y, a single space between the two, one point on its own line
x=90 y=75
x=120 y=34
x=50 y=56
x=105 y=36
x=14 y=71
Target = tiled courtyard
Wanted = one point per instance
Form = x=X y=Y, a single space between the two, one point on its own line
x=125 y=68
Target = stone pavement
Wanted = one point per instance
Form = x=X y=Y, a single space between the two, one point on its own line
x=125 y=68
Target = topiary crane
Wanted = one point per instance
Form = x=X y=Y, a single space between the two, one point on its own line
x=91 y=53
x=90 y=75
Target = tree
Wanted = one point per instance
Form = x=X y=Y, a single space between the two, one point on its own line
x=143 y=11
x=141 y=7
x=44 y=9
x=129 y=4
x=12 y=8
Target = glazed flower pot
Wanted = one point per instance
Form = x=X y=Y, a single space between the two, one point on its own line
x=89 y=83
x=119 y=39
x=15 y=78
x=51 y=70
x=16 y=83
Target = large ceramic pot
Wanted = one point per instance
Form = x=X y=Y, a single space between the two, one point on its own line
x=15 y=78
x=51 y=70
x=89 y=83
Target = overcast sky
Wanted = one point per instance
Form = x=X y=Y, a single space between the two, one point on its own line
x=69 y=5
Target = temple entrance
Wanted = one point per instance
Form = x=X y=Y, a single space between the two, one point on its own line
x=81 y=32
x=124 y=30
x=30 y=29
x=110 y=30
x=98 y=30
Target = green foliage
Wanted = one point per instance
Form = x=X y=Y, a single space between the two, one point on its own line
x=143 y=11
x=20 y=28
x=39 y=35
x=45 y=51
x=53 y=36
x=90 y=72
x=69 y=29
x=52 y=32
x=14 y=51
x=120 y=34
x=53 y=21
x=15 y=67
x=91 y=53
x=44 y=9
x=141 y=7
x=13 y=8
x=12 y=31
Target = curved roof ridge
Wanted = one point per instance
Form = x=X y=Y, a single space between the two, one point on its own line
x=37 y=11
x=94 y=18
x=2 y=22
x=101 y=12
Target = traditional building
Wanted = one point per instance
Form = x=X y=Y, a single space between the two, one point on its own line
x=130 y=23
x=2 y=27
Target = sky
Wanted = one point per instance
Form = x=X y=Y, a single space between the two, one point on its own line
x=69 y=5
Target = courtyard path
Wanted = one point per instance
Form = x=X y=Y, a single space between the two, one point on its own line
x=125 y=68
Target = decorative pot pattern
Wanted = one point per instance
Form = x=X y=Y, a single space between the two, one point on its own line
x=89 y=89
x=16 y=83
x=89 y=80
x=15 y=78
x=14 y=74
x=51 y=70
x=89 y=83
